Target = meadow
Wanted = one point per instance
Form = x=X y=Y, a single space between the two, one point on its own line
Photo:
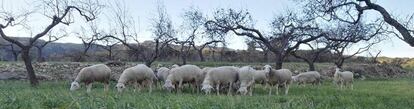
x=375 y=94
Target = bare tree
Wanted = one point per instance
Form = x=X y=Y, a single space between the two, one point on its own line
x=59 y=12
x=288 y=31
x=195 y=31
x=351 y=11
x=108 y=44
x=374 y=58
x=316 y=49
x=88 y=40
x=344 y=36
x=125 y=31
x=13 y=49
x=52 y=37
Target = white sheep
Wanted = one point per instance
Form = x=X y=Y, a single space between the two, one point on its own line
x=204 y=72
x=225 y=75
x=343 y=78
x=175 y=66
x=307 y=77
x=88 y=75
x=139 y=75
x=278 y=78
x=162 y=73
x=246 y=79
x=260 y=77
x=183 y=74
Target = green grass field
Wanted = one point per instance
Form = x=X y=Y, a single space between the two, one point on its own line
x=375 y=94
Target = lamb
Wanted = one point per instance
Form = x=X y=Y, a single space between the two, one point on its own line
x=138 y=75
x=343 y=78
x=183 y=74
x=225 y=75
x=88 y=75
x=307 y=77
x=278 y=78
x=246 y=79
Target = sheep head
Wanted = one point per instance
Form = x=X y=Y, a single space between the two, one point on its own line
x=120 y=87
x=168 y=85
x=207 y=88
x=242 y=90
x=74 y=86
x=295 y=78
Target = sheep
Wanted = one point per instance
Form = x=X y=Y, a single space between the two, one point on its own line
x=278 y=78
x=343 y=78
x=162 y=73
x=183 y=74
x=138 y=75
x=175 y=66
x=246 y=79
x=225 y=75
x=88 y=75
x=260 y=77
x=307 y=77
x=204 y=72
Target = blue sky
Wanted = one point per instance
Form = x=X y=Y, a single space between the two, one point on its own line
x=261 y=10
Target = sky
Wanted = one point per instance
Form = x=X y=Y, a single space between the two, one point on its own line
x=262 y=11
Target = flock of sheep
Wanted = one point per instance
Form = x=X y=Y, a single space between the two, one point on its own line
x=224 y=79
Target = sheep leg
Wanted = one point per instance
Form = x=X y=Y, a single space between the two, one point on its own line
x=277 y=89
x=218 y=89
x=135 y=86
x=180 y=84
x=286 y=89
x=150 y=86
x=251 y=89
x=106 y=87
x=88 y=87
x=230 y=88
x=270 y=91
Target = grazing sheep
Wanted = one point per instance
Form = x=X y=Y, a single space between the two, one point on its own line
x=246 y=79
x=260 y=77
x=162 y=73
x=343 y=78
x=204 y=72
x=183 y=74
x=138 y=75
x=307 y=77
x=278 y=78
x=225 y=75
x=175 y=66
x=88 y=75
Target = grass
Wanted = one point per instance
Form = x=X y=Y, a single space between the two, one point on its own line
x=376 y=94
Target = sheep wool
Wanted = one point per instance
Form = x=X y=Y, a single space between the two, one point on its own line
x=88 y=75
x=343 y=78
x=183 y=74
x=137 y=74
x=225 y=75
x=246 y=79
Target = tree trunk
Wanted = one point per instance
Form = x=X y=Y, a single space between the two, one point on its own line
x=15 y=56
x=110 y=54
x=28 y=63
x=279 y=62
x=148 y=63
x=200 y=54
x=340 y=62
x=311 y=66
